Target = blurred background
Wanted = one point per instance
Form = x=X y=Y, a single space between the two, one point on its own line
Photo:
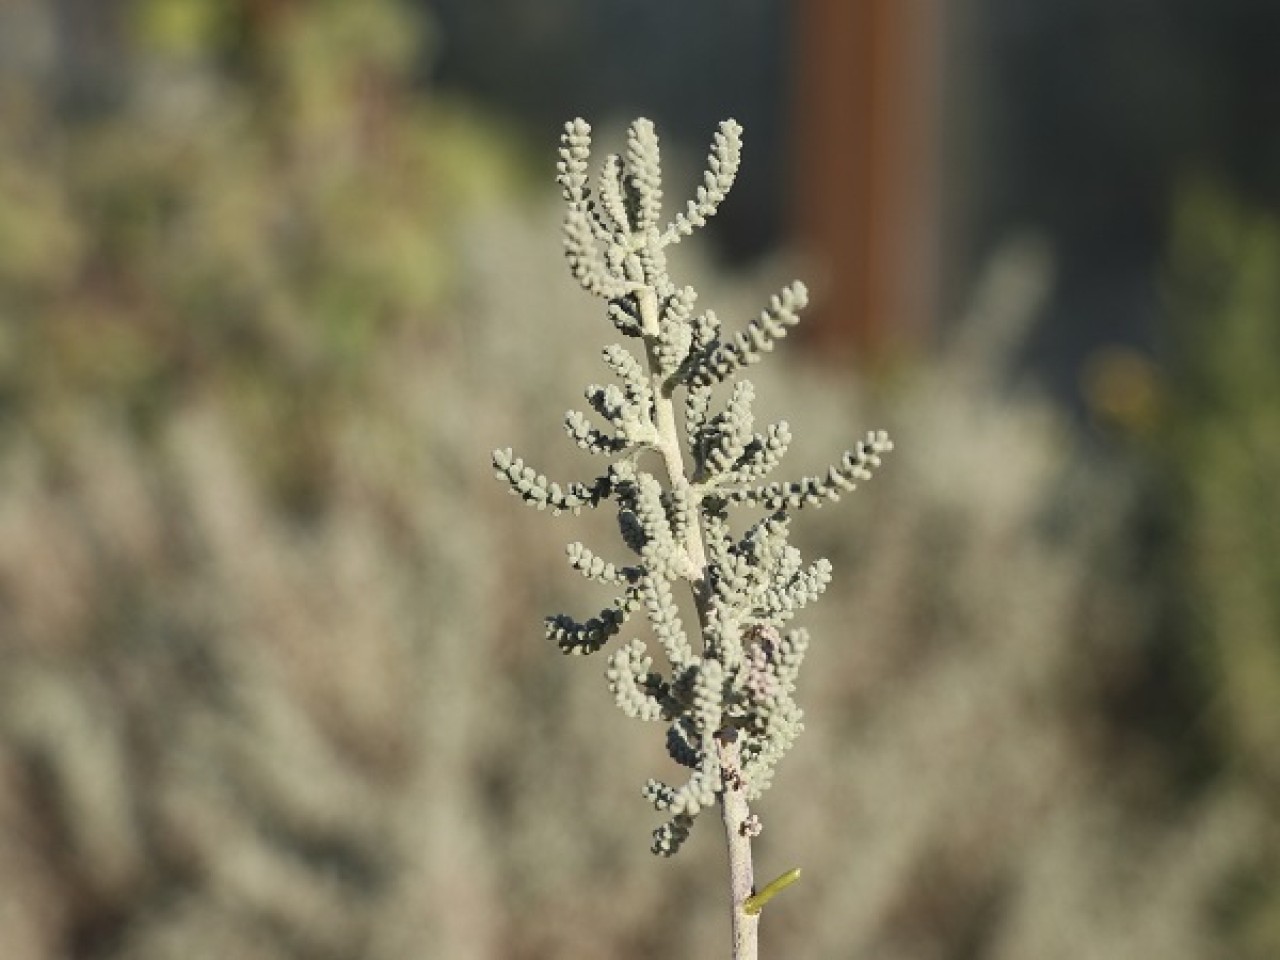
x=277 y=275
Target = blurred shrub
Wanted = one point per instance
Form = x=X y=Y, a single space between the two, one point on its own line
x=265 y=197
x=1219 y=450
x=222 y=292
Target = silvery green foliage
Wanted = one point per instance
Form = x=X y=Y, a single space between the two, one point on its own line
x=733 y=681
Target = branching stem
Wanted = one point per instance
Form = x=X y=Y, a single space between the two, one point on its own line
x=728 y=704
x=734 y=811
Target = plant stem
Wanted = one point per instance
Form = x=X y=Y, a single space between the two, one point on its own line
x=733 y=801
x=734 y=812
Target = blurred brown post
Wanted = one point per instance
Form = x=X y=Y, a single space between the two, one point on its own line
x=865 y=167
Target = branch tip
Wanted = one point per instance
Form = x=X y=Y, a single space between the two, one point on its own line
x=755 y=903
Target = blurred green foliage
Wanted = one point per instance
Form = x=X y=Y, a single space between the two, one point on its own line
x=1220 y=451
x=264 y=196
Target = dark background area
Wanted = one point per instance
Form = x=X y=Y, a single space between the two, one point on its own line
x=1078 y=119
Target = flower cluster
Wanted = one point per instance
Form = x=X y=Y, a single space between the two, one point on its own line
x=726 y=692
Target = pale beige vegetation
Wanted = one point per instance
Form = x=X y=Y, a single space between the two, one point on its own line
x=272 y=681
